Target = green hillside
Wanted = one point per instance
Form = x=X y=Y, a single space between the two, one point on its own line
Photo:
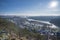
x=7 y=25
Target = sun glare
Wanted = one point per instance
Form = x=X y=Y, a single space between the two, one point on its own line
x=53 y=4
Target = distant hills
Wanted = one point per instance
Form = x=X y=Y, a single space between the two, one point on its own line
x=24 y=22
x=53 y=19
x=56 y=21
x=43 y=18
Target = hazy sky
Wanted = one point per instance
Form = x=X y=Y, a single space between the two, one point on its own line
x=30 y=7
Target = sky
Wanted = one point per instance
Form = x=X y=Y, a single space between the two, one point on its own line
x=30 y=7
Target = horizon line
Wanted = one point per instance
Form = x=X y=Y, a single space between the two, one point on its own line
x=30 y=14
